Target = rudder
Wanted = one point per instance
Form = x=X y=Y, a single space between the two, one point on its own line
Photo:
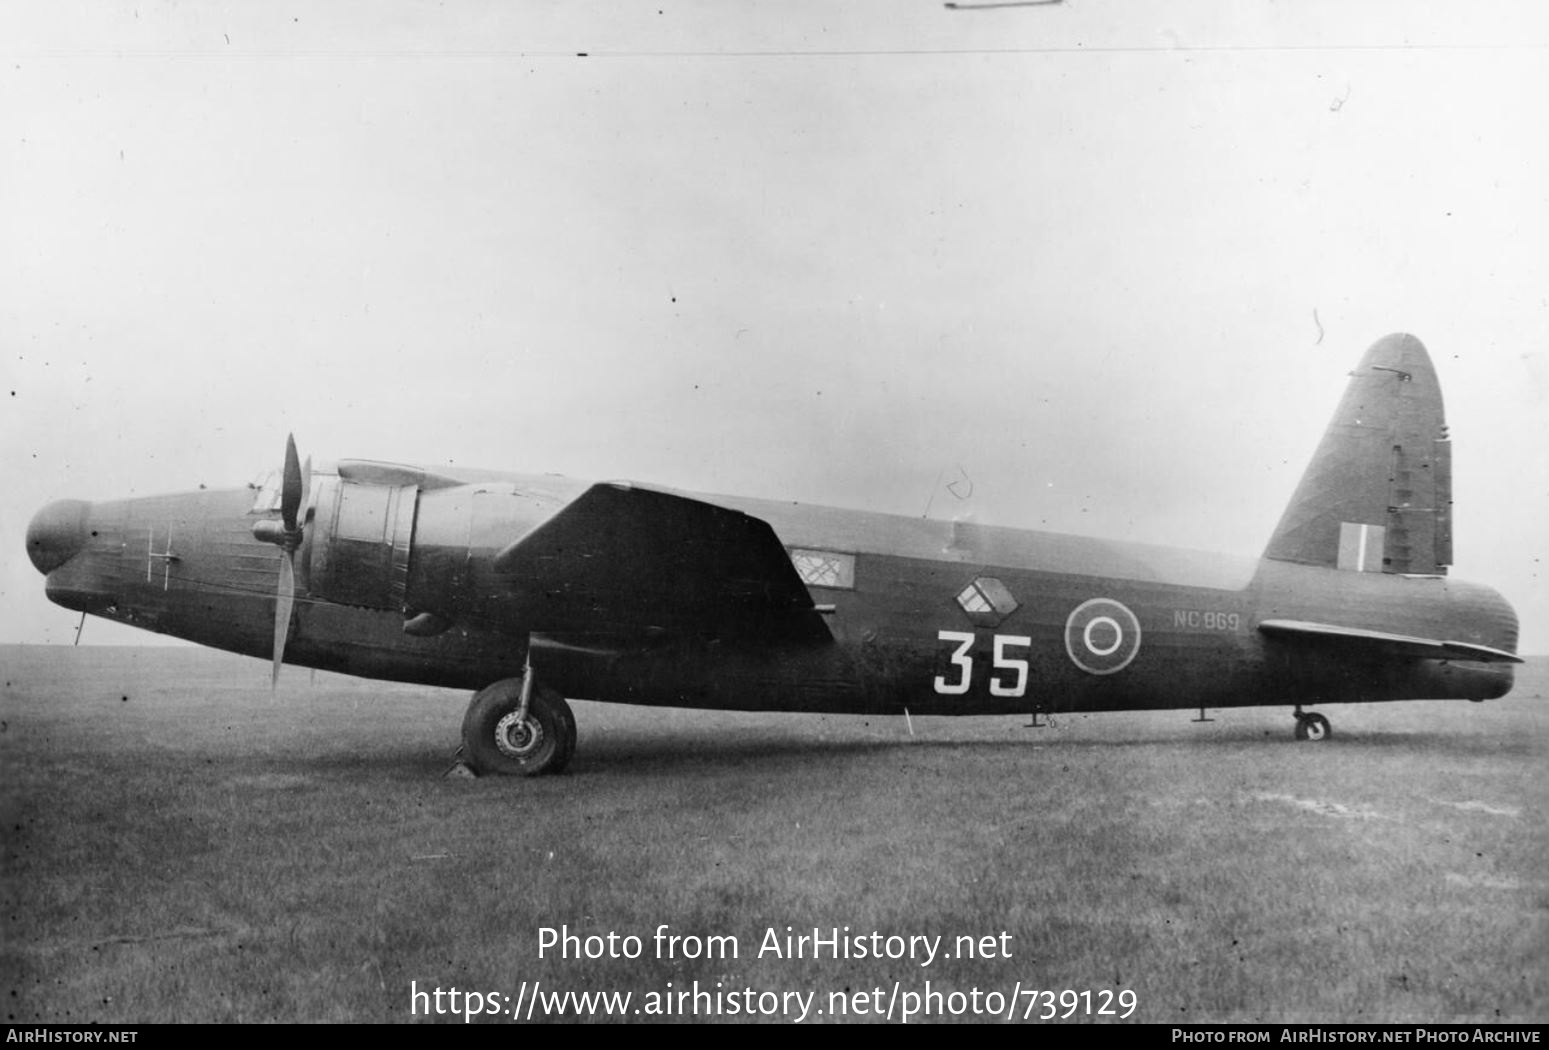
x=1377 y=496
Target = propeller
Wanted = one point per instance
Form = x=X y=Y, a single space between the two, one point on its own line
x=287 y=535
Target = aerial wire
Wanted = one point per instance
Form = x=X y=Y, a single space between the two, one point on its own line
x=992 y=4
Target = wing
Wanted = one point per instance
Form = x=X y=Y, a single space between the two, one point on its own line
x=1394 y=644
x=623 y=556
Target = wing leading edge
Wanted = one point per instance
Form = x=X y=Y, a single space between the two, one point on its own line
x=636 y=558
x=1395 y=644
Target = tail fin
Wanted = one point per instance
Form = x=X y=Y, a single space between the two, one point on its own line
x=1377 y=496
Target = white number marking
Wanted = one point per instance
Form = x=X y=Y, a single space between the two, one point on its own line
x=961 y=659
x=1004 y=663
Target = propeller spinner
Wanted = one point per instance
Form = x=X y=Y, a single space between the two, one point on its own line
x=286 y=534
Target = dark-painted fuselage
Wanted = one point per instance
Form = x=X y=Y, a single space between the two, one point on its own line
x=928 y=616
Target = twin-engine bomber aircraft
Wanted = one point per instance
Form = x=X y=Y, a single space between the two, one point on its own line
x=534 y=588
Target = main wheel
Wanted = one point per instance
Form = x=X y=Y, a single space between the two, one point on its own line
x=1313 y=727
x=497 y=741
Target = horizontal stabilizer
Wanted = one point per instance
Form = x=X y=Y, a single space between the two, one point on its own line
x=1397 y=644
x=634 y=557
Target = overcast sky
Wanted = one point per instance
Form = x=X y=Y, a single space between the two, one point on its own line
x=1101 y=267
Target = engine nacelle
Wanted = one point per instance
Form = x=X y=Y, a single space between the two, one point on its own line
x=359 y=541
x=424 y=552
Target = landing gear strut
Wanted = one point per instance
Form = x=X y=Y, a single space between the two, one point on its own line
x=499 y=737
x=1312 y=726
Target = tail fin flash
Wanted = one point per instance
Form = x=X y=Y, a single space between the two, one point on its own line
x=1377 y=496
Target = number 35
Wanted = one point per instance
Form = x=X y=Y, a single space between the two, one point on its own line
x=1014 y=687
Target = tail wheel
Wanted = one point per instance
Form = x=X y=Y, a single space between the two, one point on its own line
x=496 y=740
x=1313 y=727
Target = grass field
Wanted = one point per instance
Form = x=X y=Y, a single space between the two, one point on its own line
x=181 y=844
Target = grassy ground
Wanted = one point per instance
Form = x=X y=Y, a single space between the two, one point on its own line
x=179 y=844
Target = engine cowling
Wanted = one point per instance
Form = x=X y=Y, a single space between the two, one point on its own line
x=361 y=538
x=423 y=552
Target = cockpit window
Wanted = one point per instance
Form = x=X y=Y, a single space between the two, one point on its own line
x=268 y=498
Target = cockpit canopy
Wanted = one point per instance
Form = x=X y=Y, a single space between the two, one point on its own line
x=266 y=498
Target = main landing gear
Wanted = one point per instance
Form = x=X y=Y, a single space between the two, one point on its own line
x=502 y=734
x=1311 y=726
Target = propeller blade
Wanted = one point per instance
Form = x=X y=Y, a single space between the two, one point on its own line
x=292 y=487
x=284 y=600
x=304 y=577
x=286 y=534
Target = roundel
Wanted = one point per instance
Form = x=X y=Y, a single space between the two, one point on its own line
x=1102 y=636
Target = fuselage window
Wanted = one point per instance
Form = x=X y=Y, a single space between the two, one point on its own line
x=824 y=568
x=987 y=601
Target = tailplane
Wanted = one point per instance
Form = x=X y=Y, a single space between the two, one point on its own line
x=1377 y=496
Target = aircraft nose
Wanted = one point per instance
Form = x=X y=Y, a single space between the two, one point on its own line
x=57 y=533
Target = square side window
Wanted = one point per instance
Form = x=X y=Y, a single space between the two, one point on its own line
x=824 y=568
